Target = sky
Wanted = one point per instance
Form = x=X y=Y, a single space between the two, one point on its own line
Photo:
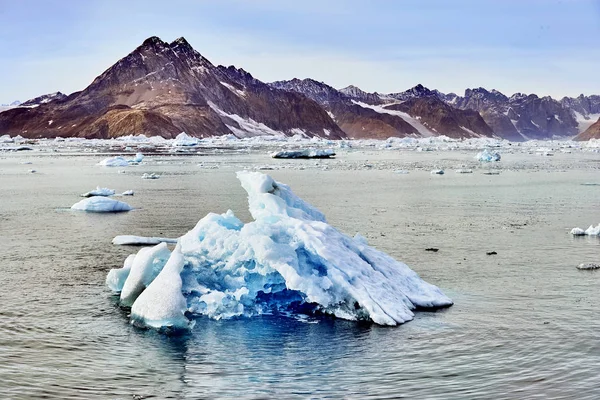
x=547 y=47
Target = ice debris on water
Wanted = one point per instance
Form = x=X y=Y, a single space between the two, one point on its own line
x=127 y=193
x=99 y=192
x=591 y=231
x=588 y=266
x=437 y=172
x=306 y=153
x=101 y=204
x=141 y=240
x=488 y=156
x=287 y=260
x=114 y=162
x=150 y=176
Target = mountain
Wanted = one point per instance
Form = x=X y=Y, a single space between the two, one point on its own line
x=356 y=121
x=165 y=88
x=593 y=132
x=424 y=110
x=46 y=98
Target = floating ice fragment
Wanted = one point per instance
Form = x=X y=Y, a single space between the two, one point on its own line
x=588 y=266
x=488 y=156
x=100 y=204
x=99 y=192
x=127 y=193
x=437 y=172
x=287 y=260
x=591 y=231
x=114 y=162
x=464 y=171
x=150 y=176
x=185 y=140
x=140 y=240
x=117 y=276
x=307 y=153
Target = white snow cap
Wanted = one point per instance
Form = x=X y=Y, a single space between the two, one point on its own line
x=287 y=260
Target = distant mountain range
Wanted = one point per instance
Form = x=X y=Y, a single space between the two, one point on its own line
x=165 y=88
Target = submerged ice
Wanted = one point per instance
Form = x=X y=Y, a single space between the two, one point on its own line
x=287 y=260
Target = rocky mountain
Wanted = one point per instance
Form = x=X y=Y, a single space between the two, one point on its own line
x=165 y=88
x=46 y=98
x=593 y=132
x=356 y=121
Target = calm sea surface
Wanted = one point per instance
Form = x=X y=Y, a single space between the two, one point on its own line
x=525 y=323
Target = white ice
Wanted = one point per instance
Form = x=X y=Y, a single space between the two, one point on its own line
x=306 y=153
x=140 y=240
x=114 y=162
x=127 y=193
x=287 y=260
x=99 y=192
x=591 y=231
x=588 y=266
x=150 y=176
x=101 y=204
x=488 y=156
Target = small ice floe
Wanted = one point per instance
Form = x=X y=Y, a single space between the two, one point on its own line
x=488 y=156
x=139 y=157
x=264 y=167
x=101 y=204
x=99 y=192
x=26 y=162
x=591 y=231
x=588 y=266
x=150 y=176
x=127 y=193
x=591 y=184
x=140 y=240
x=437 y=172
x=306 y=153
x=491 y=173
x=208 y=166
x=401 y=172
x=32 y=171
x=464 y=171
x=114 y=162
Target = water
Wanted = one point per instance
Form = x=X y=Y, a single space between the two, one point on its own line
x=524 y=324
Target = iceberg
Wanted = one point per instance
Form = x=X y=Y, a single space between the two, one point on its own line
x=101 y=204
x=114 y=162
x=437 y=172
x=185 y=140
x=287 y=260
x=591 y=231
x=99 y=192
x=127 y=193
x=307 y=153
x=140 y=240
x=588 y=266
x=488 y=156
x=139 y=157
x=150 y=176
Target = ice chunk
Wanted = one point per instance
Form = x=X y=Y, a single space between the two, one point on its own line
x=114 y=162
x=184 y=140
x=437 y=172
x=146 y=266
x=141 y=240
x=488 y=156
x=99 y=192
x=127 y=193
x=139 y=157
x=287 y=260
x=588 y=266
x=101 y=204
x=591 y=231
x=117 y=276
x=464 y=171
x=307 y=153
x=150 y=176
x=162 y=304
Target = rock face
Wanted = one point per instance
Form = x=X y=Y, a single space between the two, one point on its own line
x=43 y=99
x=593 y=132
x=166 y=88
x=520 y=117
x=415 y=112
x=357 y=122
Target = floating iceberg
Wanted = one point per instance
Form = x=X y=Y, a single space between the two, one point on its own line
x=591 y=231
x=127 y=193
x=141 y=240
x=287 y=260
x=100 y=204
x=99 y=192
x=184 y=140
x=588 y=266
x=114 y=162
x=437 y=172
x=150 y=176
x=139 y=157
x=307 y=153
x=488 y=156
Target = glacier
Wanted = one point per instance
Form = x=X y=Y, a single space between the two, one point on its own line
x=287 y=260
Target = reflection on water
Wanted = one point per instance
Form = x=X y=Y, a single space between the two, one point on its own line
x=524 y=323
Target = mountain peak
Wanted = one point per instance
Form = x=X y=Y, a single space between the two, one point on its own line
x=153 y=41
x=181 y=45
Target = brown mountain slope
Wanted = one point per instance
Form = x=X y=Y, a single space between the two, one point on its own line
x=593 y=132
x=163 y=89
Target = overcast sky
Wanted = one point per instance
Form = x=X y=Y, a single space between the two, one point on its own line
x=543 y=46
